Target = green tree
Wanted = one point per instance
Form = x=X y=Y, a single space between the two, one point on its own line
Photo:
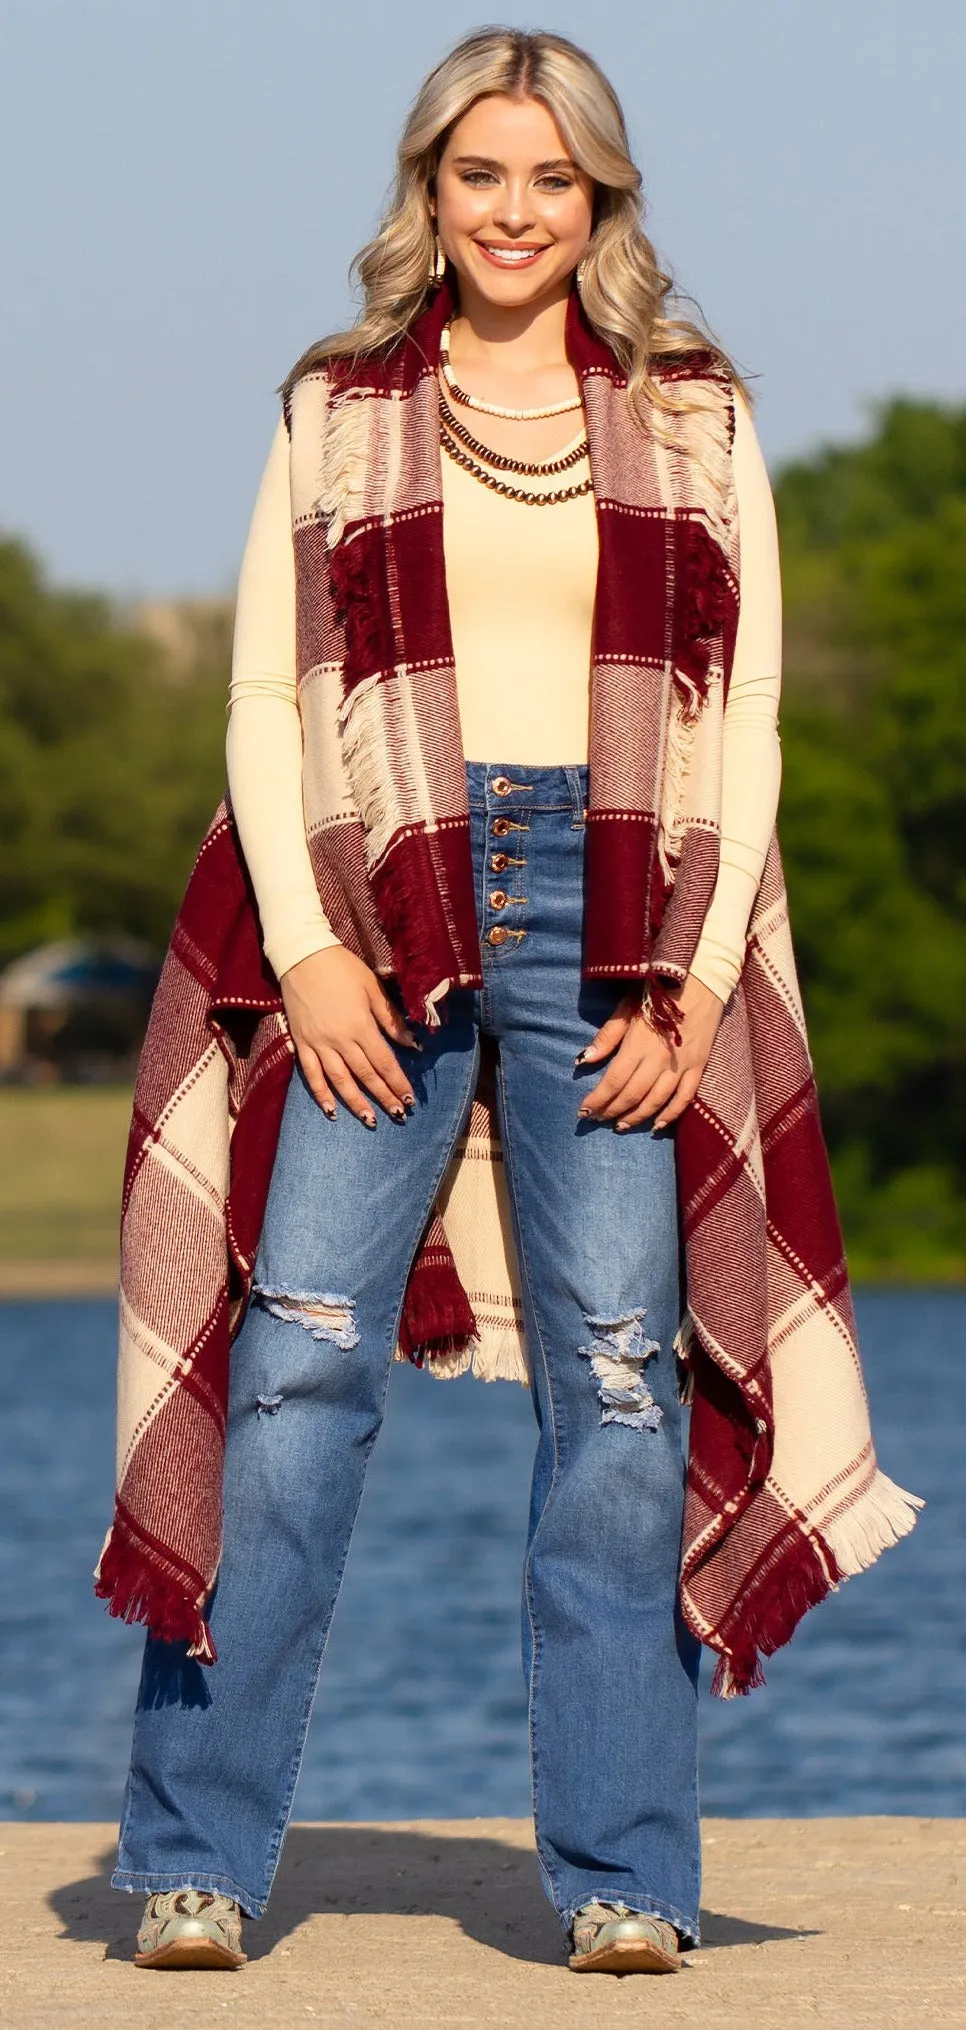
x=110 y=764
x=873 y=819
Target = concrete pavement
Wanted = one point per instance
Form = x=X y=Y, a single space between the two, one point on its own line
x=851 y=1922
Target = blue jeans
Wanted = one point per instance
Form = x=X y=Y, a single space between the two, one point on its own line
x=612 y=1671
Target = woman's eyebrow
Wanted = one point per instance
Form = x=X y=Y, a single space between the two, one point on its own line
x=488 y=162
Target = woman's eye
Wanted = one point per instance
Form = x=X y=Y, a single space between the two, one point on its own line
x=555 y=184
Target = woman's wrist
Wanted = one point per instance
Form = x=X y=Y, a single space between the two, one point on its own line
x=287 y=953
x=709 y=981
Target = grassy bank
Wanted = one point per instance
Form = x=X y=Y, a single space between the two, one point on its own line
x=62 y=1159
x=61 y=1165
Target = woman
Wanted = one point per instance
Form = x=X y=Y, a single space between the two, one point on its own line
x=492 y=589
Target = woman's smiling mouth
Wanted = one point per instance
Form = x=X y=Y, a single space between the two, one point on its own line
x=509 y=254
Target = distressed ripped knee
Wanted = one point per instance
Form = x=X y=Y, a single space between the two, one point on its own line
x=618 y=1354
x=322 y=1314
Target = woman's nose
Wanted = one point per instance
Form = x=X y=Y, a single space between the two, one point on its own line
x=513 y=209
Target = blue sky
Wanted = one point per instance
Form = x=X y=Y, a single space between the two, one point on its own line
x=186 y=183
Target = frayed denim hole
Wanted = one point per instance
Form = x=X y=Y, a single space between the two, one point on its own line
x=618 y=1354
x=324 y=1314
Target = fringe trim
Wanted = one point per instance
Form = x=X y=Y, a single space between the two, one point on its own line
x=490 y=1357
x=436 y=994
x=446 y=1364
x=882 y=1514
x=727 y=1685
x=703 y=433
x=363 y=751
x=455 y=1350
x=135 y=1591
x=400 y=898
x=678 y=756
x=800 y=1583
x=344 y=463
x=401 y=902
x=500 y=1358
x=437 y=1318
x=663 y=1012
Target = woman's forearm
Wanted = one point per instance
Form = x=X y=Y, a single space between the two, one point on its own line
x=751 y=759
x=264 y=743
x=264 y=753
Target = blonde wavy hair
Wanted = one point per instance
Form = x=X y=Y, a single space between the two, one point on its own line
x=624 y=291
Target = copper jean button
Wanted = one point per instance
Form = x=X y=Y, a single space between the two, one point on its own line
x=498 y=935
x=498 y=898
x=502 y=785
x=501 y=826
x=498 y=861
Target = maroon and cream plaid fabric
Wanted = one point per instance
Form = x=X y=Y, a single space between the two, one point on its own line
x=784 y=1495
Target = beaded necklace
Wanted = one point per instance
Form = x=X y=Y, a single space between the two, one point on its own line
x=467 y=451
x=491 y=408
x=571 y=454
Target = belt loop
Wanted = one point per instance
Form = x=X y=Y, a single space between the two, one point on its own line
x=577 y=799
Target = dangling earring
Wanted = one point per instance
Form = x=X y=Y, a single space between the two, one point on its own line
x=579 y=274
x=437 y=265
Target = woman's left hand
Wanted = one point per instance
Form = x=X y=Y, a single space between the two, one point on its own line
x=648 y=1076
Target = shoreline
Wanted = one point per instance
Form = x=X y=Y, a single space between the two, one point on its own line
x=34 y=1281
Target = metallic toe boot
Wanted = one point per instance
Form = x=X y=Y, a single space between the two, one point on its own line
x=190 y=1928
x=610 y=1939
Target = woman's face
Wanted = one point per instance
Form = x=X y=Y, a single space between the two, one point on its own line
x=514 y=213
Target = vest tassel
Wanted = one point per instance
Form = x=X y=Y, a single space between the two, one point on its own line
x=134 y=1592
x=437 y=1317
x=883 y=1514
x=663 y=1012
x=801 y=1582
x=683 y=714
x=344 y=464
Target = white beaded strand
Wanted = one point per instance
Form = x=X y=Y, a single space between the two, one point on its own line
x=492 y=408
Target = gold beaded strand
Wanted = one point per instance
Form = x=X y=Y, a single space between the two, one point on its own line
x=534 y=468
x=519 y=493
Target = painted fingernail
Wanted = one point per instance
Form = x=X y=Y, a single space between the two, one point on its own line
x=619 y=1127
x=409 y=1099
x=330 y=1111
x=399 y=1113
x=370 y=1120
x=583 y=1114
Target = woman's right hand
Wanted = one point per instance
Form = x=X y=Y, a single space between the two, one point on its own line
x=340 y=1017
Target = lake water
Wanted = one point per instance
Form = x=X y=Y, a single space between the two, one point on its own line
x=421 y=1712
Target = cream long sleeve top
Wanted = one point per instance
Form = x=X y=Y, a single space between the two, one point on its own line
x=521 y=595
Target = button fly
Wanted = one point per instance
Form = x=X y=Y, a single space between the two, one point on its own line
x=498 y=898
x=501 y=827
x=498 y=935
x=498 y=861
x=501 y=785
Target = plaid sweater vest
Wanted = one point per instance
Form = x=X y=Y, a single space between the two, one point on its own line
x=783 y=1499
